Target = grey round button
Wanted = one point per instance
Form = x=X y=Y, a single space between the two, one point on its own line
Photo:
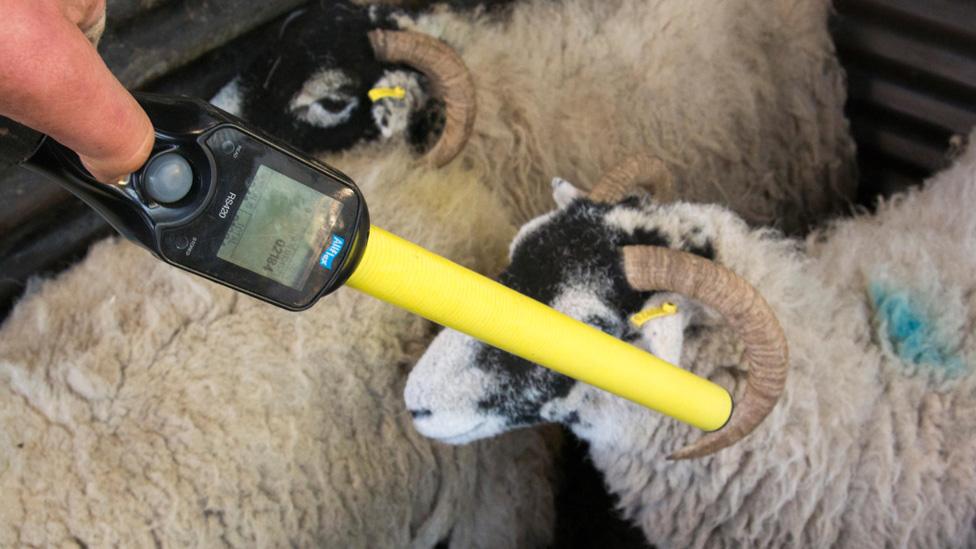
x=168 y=178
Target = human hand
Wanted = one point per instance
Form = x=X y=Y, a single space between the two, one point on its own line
x=53 y=80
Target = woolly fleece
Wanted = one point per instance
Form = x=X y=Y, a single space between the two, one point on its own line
x=142 y=405
x=742 y=99
x=865 y=448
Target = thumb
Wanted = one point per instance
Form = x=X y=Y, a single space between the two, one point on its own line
x=52 y=79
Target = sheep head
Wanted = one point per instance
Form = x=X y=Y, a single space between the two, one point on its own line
x=600 y=258
x=339 y=74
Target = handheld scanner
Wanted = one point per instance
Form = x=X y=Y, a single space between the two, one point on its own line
x=226 y=202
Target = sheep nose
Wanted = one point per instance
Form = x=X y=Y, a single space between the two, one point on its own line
x=422 y=412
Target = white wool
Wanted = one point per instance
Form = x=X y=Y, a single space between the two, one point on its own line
x=580 y=303
x=141 y=403
x=742 y=100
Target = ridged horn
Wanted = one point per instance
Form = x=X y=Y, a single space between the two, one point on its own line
x=640 y=170
x=450 y=80
x=766 y=352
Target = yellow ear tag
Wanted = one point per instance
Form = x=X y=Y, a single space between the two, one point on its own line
x=396 y=92
x=641 y=318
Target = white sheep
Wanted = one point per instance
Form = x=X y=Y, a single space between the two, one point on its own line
x=871 y=443
x=141 y=405
x=742 y=99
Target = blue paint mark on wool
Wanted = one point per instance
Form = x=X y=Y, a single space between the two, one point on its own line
x=911 y=332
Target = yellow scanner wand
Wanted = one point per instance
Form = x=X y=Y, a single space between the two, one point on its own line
x=408 y=276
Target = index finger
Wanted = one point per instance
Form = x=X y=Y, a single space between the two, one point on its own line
x=52 y=79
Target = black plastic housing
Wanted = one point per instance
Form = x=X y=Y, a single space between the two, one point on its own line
x=184 y=125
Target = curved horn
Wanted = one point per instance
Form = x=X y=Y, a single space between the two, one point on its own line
x=94 y=32
x=449 y=78
x=623 y=180
x=766 y=353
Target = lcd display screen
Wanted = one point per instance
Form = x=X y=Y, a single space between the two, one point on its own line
x=280 y=228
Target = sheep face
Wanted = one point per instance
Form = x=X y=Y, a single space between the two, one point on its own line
x=311 y=85
x=462 y=390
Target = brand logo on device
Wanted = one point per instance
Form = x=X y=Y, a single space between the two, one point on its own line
x=228 y=202
x=332 y=251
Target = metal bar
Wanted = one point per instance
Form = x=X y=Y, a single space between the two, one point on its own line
x=48 y=251
x=178 y=33
x=906 y=51
x=898 y=142
x=911 y=78
x=911 y=101
x=942 y=16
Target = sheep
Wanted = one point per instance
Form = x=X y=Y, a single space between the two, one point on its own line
x=870 y=444
x=142 y=405
x=743 y=100
x=315 y=85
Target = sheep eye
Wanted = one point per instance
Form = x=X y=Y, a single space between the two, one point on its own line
x=603 y=324
x=325 y=100
x=333 y=105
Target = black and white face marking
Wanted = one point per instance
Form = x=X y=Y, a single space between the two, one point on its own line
x=462 y=390
x=393 y=115
x=310 y=87
x=326 y=100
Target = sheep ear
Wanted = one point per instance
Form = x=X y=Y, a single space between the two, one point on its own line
x=662 y=323
x=564 y=193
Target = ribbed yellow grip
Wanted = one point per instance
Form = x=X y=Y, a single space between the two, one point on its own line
x=408 y=276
